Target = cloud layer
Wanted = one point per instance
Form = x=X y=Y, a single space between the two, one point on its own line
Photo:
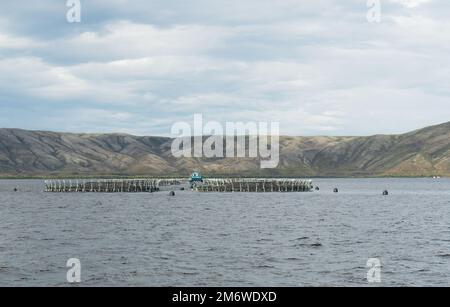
x=317 y=67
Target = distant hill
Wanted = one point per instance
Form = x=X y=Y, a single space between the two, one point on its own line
x=424 y=152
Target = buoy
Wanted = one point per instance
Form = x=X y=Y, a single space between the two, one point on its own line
x=15 y=189
x=172 y=193
x=385 y=193
x=336 y=190
x=181 y=189
x=317 y=189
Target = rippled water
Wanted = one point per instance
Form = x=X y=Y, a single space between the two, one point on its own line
x=193 y=239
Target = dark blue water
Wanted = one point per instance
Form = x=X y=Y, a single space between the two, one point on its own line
x=193 y=239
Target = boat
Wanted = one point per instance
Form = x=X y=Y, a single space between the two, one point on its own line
x=196 y=177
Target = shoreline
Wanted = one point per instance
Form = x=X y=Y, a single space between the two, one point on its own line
x=212 y=176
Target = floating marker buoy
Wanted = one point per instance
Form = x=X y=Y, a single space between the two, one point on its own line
x=336 y=190
x=172 y=193
x=317 y=189
x=181 y=189
x=15 y=189
x=385 y=193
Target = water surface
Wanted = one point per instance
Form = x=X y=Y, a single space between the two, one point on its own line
x=218 y=239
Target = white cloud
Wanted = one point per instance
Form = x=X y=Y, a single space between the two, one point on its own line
x=9 y=42
x=410 y=3
x=127 y=40
x=315 y=66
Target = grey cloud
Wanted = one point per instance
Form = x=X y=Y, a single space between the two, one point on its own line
x=316 y=66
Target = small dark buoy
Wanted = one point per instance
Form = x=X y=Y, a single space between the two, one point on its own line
x=181 y=189
x=172 y=193
x=336 y=190
x=317 y=189
x=385 y=193
x=15 y=189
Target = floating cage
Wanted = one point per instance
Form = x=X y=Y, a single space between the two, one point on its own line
x=154 y=185
x=255 y=185
x=109 y=185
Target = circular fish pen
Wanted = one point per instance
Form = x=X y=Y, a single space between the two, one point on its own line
x=256 y=185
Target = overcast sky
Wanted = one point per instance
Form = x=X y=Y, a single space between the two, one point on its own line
x=317 y=66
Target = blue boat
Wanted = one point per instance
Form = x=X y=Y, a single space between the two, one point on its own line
x=196 y=177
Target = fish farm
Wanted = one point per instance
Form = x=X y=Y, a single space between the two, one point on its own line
x=195 y=183
x=255 y=185
x=109 y=185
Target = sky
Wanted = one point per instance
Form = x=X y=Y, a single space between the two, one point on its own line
x=318 y=67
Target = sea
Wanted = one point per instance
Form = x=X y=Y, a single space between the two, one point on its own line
x=356 y=237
